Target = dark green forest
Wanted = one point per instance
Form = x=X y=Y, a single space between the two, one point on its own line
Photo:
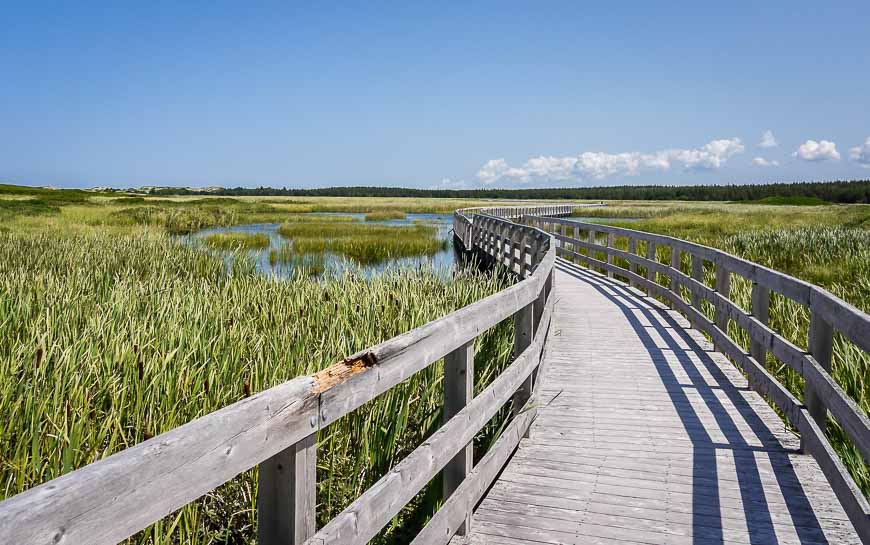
x=857 y=191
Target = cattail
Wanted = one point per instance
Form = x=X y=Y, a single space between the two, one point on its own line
x=247 y=389
x=141 y=366
x=38 y=360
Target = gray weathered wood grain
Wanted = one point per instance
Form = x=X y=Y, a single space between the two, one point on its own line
x=287 y=488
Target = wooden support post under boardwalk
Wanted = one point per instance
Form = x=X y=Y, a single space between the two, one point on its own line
x=821 y=345
x=287 y=484
x=761 y=312
x=458 y=392
x=524 y=321
x=697 y=274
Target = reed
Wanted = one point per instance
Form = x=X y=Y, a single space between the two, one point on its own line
x=303 y=264
x=237 y=241
x=385 y=215
x=365 y=243
x=108 y=340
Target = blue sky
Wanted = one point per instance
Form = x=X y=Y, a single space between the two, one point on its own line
x=464 y=95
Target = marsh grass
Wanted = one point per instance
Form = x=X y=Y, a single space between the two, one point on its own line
x=237 y=241
x=365 y=243
x=37 y=209
x=108 y=340
x=305 y=264
x=385 y=215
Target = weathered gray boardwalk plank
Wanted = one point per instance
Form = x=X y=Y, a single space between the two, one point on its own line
x=646 y=435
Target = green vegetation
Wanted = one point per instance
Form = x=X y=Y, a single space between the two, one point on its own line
x=367 y=244
x=114 y=331
x=37 y=209
x=791 y=201
x=857 y=191
x=304 y=264
x=384 y=215
x=237 y=241
x=826 y=245
x=108 y=340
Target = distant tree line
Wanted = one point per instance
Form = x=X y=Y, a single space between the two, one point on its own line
x=857 y=191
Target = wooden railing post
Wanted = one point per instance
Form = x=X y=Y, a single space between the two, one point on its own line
x=632 y=266
x=505 y=231
x=287 y=484
x=697 y=274
x=651 y=256
x=675 y=267
x=723 y=287
x=820 y=345
x=761 y=312
x=458 y=392
x=524 y=322
x=524 y=241
x=610 y=238
x=517 y=250
x=591 y=251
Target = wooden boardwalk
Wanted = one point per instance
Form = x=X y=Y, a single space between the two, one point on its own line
x=644 y=434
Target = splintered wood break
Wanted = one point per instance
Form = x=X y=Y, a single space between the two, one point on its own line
x=343 y=370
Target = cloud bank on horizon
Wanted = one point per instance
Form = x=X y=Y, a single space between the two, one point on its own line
x=599 y=166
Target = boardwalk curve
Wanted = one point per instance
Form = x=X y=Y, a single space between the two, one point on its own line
x=645 y=434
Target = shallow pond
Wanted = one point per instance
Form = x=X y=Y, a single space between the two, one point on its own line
x=441 y=262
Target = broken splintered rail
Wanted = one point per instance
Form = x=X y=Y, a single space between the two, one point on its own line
x=343 y=370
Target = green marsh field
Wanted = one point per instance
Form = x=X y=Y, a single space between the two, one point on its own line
x=113 y=329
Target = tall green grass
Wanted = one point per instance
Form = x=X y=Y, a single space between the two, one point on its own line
x=304 y=264
x=365 y=243
x=237 y=241
x=106 y=341
x=384 y=215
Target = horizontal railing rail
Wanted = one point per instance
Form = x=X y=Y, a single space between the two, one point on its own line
x=828 y=314
x=112 y=499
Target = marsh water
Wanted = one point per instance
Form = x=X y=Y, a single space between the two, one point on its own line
x=441 y=262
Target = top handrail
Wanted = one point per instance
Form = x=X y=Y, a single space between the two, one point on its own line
x=110 y=500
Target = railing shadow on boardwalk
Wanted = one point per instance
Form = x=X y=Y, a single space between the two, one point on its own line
x=707 y=524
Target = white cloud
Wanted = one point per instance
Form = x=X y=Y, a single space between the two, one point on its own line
x=768 y=140
x=861 y=154
x=599 y=165
x=762 y=162
x=817 y=151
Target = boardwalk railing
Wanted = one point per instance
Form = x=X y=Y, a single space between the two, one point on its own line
x=578 y=242
x=107 y=501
